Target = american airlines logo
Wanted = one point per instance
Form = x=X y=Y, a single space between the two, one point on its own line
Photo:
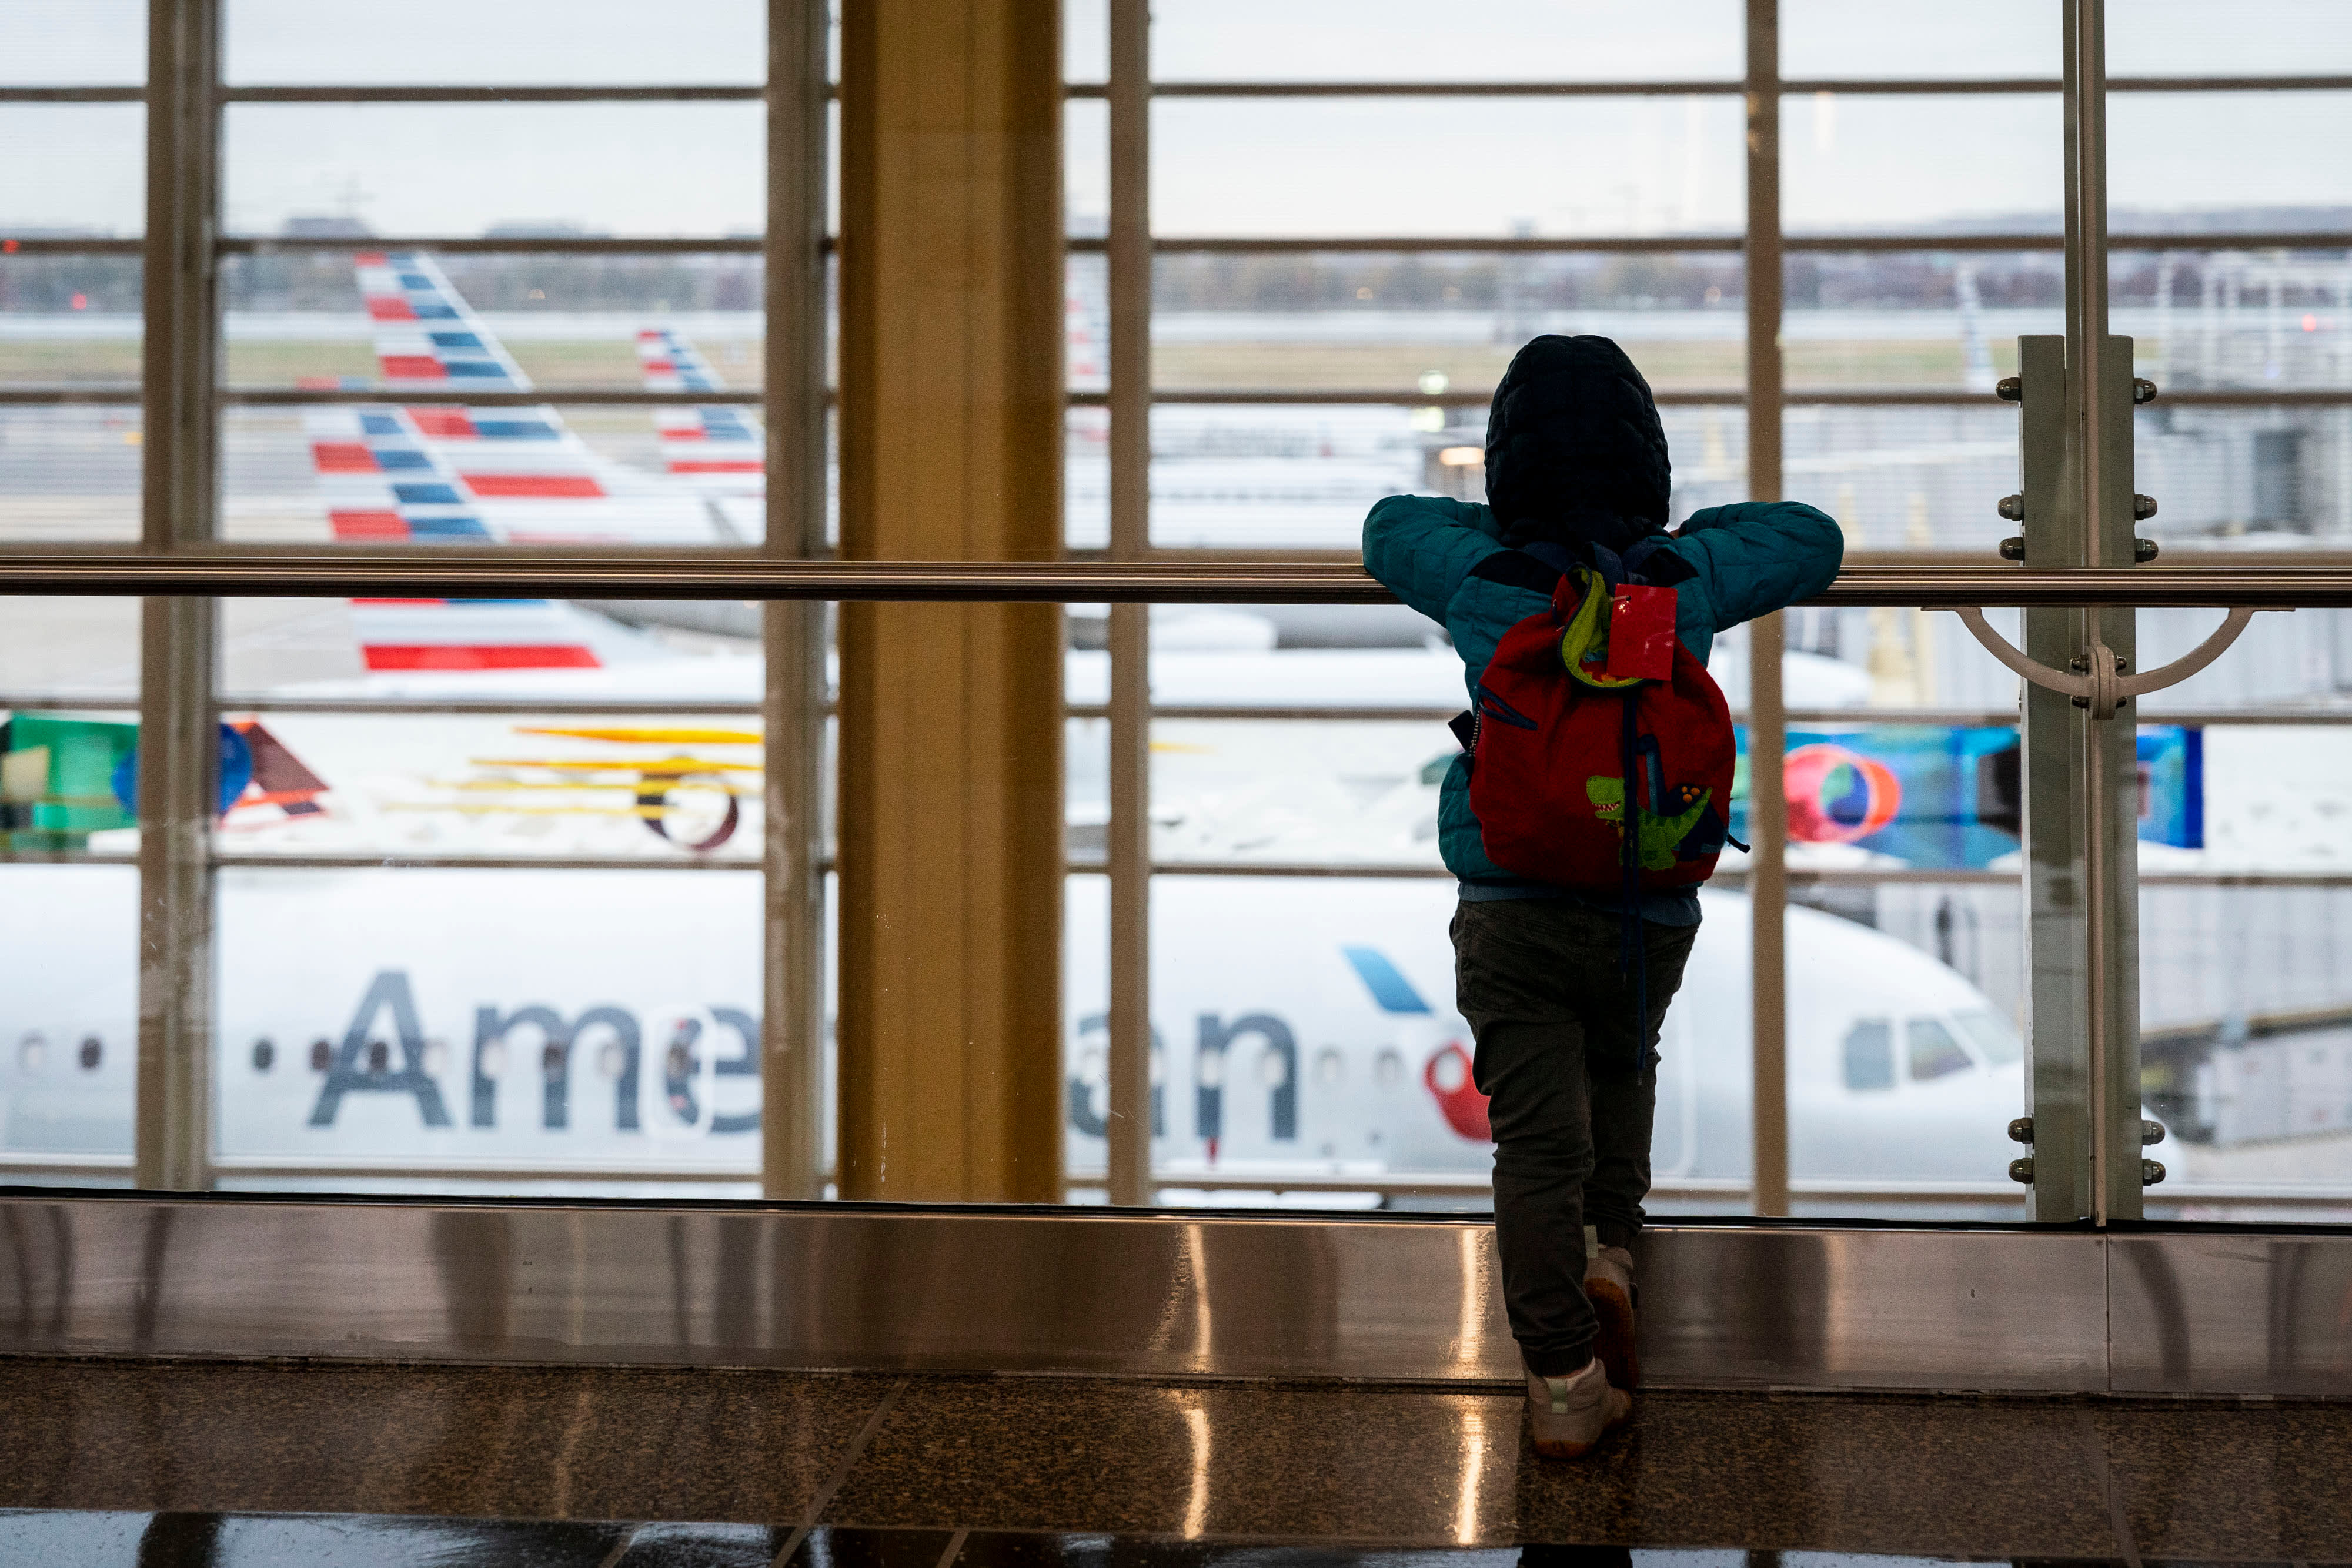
x=384 y=1051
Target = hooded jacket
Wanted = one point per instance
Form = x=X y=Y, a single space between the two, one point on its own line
x=1575 y=457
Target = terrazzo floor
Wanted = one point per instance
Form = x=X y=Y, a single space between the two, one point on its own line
x=181 y=1462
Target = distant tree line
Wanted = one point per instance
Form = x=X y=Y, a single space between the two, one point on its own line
x=1665 y=278
x=39 y=285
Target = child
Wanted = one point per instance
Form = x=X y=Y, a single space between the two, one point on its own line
x=1577 y=473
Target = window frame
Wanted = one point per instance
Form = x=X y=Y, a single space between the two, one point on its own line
x=182 y=399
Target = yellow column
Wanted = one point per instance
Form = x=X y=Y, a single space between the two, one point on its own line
x=951 y=766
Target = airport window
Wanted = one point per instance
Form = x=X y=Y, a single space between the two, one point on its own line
x=1313 y=346
x=443 y=313
x=513 y=297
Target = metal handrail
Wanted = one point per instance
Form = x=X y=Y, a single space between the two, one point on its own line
x=411 y=573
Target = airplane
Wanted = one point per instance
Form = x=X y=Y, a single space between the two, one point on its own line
x=491 y=1019
x=1329 y=1044
x=1296 y=1034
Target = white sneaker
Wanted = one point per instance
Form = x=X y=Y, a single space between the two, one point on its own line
x=1608 y=1286
x=1571 y=1414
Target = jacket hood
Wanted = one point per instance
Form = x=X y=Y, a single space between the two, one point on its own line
x=1574 y=450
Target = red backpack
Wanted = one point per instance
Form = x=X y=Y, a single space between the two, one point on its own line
x=1565 y=720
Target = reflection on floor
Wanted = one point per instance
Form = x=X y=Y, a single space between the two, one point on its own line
x=272 y=1540
x=166 y=1463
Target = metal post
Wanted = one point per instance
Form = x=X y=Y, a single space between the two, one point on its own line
x=1129 y=846
x=2086 y=253
x=793 y=634
x=1767 y=810
x=2112 y=828
x=2081 y=816
x=179 y=754
x=2081 y=847
x=2099 y=398
x=2055 y=732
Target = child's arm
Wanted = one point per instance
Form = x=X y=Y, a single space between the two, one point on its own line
x=1421 y=546
x=1756 y=557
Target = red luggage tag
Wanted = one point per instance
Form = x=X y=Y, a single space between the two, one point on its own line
x=1642 y=633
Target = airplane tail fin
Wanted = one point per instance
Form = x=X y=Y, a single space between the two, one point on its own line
x=718 y=448
x=279 y=779
x=454 y=473
x=426 y=336
x=409 y=636
x=451 y=473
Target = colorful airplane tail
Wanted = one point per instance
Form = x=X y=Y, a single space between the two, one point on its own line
x=412 y=636
x=443 y=472
x=718 y=449
x=458 y=474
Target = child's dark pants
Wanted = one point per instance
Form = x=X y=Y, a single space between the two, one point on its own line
x=1571 y=1093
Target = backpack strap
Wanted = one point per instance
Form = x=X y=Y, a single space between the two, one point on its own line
x=1518 y=569
x=1565 y=558
x=1648 y=560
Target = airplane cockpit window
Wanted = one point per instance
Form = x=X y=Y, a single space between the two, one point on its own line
x=1933 y=1052
x=1993 y=1036
x=1870 y=1055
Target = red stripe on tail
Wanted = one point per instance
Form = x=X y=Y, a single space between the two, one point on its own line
x=495 y=656
x=445 y=422
x=367 y=525
x=555 y=487
x=342 y=457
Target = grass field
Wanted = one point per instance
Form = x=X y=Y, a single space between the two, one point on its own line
x=1672 y=365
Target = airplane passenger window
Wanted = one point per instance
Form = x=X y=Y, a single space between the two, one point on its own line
x=1991 y=1034
x=1932 y=1050
x=1870 y=1055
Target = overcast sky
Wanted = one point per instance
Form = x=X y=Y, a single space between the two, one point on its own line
x=1246 y=166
